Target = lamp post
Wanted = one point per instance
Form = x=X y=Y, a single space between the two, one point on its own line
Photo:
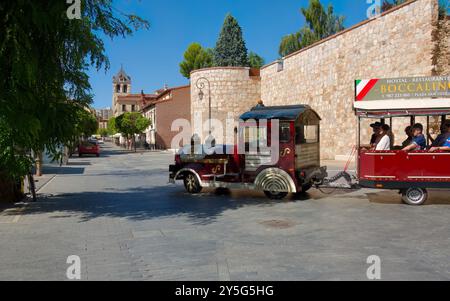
x=201 y=85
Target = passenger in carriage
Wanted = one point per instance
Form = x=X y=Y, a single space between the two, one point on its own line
x=385 y=141
x=442 y=138
x=418 y=142
x=375 y=139
x=446 y=145
x=408 y=141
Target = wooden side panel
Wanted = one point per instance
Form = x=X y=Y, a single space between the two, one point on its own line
x=307 y=155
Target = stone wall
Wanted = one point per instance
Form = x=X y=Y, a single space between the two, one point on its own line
x=442 y=50
x=398 y=43
x=234 y=90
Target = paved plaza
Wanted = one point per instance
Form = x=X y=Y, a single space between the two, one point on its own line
x=121 y=217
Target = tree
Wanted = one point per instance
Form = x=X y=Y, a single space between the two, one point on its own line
x=44 y=58
x=102 y=132
x=195 y=57
x=290 y=44
x=86 y=125
x=230 y=47
x=320 y=24
x=112 y=130
x=131 y=123
x=255 y=61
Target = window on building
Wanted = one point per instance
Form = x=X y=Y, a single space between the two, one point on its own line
x=133 y=108
x=117 y=88
x=125 y=89
x=124 y=108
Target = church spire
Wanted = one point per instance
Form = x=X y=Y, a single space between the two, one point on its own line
x=121 y=77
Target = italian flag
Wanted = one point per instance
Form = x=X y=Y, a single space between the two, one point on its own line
x=363 y=87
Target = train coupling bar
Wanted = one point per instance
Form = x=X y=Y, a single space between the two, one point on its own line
x=349 y=182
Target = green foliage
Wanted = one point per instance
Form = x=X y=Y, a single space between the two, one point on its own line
x=255 y=61
x=230 y=47
x=321 y=23
x=444 y=8
x=131 y=123
x=103 y=132
x=86 y=125
x=195 y=57
x=112 y=130
x=290 y=44
x=44 y=58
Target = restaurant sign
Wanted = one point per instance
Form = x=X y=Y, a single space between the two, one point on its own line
x=403 y=88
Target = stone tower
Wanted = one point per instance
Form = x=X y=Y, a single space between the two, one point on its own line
x=121 y=86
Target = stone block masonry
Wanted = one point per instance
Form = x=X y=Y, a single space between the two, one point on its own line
x=234 y=90
x=396 y=44
x=403 y=42
x=442 y=50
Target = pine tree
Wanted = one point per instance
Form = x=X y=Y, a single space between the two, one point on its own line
x=230 y=47
x=195 y=57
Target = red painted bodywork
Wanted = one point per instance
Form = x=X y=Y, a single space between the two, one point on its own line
x=236 y=163
x=404 y=167
x=90 y=148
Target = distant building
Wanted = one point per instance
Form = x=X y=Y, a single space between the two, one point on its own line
x=168 y=105
x=123 y=100
x=103 y=115
x=162 y=108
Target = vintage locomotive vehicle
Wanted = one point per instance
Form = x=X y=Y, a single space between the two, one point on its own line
x=247 y=165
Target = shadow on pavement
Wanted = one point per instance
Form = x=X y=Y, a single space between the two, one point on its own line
x=149 y=203
x=63 y=170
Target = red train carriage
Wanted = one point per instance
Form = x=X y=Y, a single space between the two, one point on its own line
x=249 y=165
x=410 y=172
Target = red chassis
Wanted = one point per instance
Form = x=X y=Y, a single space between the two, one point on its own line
x=400 y=170
x=297 y=169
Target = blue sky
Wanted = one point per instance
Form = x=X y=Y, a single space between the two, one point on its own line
x=151 y=57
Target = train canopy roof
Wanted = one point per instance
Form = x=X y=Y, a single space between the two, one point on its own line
x=289 y=113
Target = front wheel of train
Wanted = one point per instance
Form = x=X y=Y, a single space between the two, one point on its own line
x=273 y=195
x=192 y=184
x=414 y=196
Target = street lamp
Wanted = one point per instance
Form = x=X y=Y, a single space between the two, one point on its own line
x=201 y=85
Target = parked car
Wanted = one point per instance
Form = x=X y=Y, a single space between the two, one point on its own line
x=89 y=147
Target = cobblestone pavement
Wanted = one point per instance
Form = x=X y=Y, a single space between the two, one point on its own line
x=119 y=215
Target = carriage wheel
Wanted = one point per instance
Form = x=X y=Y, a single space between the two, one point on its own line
x=275 y=195
x=415 y=196
x=191 y=184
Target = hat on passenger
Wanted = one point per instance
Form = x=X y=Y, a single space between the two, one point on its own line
x=376 y=125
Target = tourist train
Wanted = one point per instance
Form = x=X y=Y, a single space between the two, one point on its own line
x=296 y=132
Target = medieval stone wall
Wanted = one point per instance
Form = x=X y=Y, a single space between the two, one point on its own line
x=443 y=47
x=234 y=90
x=396 y=44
